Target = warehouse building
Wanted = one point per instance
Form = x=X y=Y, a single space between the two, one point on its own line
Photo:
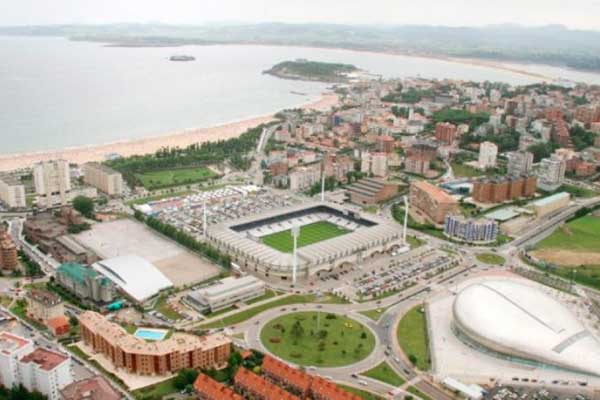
x=226 y=293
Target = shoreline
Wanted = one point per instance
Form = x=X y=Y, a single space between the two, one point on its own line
x=147 y=145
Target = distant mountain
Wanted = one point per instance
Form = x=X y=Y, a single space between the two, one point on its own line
x=552 y=44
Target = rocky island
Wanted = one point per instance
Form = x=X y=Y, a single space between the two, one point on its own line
x=313 y=71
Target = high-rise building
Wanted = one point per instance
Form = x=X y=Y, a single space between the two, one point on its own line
x=487 y=155
x=470 y=230
x=105 y=179
x=8 y=251
x=445 y=132
x=85 y=283
x=12 y=192
x=52 y=183
x=385 y=144
x=418 y=158
x=303 y=178
x=551 y=173
x=519 y=163
x=43 y=305
x=375 y=163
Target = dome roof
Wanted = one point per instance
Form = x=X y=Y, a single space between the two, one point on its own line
x=519 y=320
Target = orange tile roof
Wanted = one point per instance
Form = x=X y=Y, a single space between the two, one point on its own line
x=434 y=191
x=58 y=322
x=214 y=390
x=46 y=359
x=261 y=387
x=94 y=388
x=324 y=389
x=283 y=371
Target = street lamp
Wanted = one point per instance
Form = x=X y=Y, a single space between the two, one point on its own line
x=405 y=218
x=295 y=234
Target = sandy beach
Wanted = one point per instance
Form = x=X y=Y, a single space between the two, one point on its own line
x=148 y=145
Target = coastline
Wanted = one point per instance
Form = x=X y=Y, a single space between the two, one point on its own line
x=148 y=145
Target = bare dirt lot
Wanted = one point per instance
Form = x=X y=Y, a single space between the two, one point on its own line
x=567 y=258
x=125 y=236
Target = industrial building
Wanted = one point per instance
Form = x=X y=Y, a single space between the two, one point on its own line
x=226 y=293
x=549 y=204
x=371 y=191
x=126 y=271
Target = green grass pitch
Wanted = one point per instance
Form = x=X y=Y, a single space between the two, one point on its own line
x=309 y=234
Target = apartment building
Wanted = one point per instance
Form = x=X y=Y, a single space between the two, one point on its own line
x=12 y=192
x=94 y=388
x=501 y=189
x=137 y=356
x=43 y=305
x=103 y=178
x=431 y=202
x=445 y=132
x=470 y=230
x=519 y=163
x=208 y=389
x=488 y=152
x=9 y=259
x=302 y=178
x=255 y=387
x=85 y=283
x=52 y=182
x=551 y=173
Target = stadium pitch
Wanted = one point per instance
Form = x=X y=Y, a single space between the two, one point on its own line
x=309 y=234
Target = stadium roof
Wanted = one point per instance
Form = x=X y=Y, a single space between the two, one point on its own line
x=134 y=275
x=519 y=320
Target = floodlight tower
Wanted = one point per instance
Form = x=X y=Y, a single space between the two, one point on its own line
x=323 y=188
x=295 y=234
x=204 y=218
x=405 y=219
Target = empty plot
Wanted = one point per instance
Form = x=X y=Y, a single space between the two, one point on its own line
x=309 y=234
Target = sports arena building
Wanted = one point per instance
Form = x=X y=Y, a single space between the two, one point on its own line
x=364 y=236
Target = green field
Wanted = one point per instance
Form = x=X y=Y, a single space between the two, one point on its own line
x=412 y=337
x=465 y=171
x=174 y=177
x=580 y=234
x=490 y=258
x=361 y=393
x=309 y=234
x=327 y=340
x=384 y=373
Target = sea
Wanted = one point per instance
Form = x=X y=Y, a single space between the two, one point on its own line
x=56 y=93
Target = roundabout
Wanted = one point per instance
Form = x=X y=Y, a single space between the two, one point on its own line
x=319 y=339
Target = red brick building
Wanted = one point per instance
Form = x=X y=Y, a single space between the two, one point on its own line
x=503 y=189
x=431 y=201
x=8 y=251
x=385 y=144
x=256 y=387
x=208 y=389
x=445 y=132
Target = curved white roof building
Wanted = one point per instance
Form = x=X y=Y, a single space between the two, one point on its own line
x=521 y=321
x=136 y=276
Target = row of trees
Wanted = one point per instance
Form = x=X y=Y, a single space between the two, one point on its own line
x=234 y=150
x=185 y=239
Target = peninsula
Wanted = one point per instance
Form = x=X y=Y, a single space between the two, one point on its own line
x=312 y=71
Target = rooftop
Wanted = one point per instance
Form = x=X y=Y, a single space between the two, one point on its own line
x=94 y=388
x=435 y=192
x=45 y=359
x=261 y=386
x=10 y=343
x=213 y=389
x=550 y=199
x=42 y=296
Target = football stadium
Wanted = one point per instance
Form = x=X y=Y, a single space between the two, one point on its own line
x=330 y=238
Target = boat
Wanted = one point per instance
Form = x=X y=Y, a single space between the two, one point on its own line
x=182 y=58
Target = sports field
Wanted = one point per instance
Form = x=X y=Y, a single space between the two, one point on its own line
x=309 y=234
x=174 y=177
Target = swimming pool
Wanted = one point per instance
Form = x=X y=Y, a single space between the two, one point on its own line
x=150 y=334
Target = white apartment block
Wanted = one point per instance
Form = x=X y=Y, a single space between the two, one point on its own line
x=35 y=368
x=374 y=163
x=52 y=183
x=519 y=163
x=551 y=173
x=12 y=192
x=488 y=152
x=303 y=178
x=105 y=179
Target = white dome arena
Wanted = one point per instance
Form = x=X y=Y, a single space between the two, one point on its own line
x=517 y=320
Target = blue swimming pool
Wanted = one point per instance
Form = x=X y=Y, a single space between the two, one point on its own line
x=150 y=334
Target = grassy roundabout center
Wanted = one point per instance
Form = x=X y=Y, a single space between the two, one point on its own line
x=325 y=340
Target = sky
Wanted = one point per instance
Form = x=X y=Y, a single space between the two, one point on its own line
x=576 y=14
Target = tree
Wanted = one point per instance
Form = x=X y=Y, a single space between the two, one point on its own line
x=185 y=376
x=297 y=330
x=84 y=205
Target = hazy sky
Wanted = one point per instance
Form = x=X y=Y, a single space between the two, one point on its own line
x=574 y=13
